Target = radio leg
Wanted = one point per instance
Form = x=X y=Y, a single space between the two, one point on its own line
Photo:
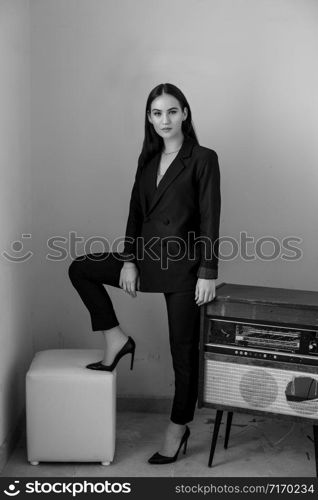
x=228 y=428
x=217 y=423
x=316 y=446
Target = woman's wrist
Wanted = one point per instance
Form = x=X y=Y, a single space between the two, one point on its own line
x=129 y=264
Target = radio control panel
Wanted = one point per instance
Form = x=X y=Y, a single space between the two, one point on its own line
x=259 y=341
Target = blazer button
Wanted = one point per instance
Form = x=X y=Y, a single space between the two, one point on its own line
x=166 y=222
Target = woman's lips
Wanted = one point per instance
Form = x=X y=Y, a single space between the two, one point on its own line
x=166 y=129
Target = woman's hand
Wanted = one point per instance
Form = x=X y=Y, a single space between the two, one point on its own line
x=204 y=291
x=129 y=278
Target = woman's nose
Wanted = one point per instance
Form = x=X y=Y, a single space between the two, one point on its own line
x=165 y=118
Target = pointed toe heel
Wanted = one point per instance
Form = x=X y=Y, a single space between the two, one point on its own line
x=158 y=459
x=128 y=348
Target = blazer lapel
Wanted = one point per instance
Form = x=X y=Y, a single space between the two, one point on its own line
x=173 y=171
x=149 y=182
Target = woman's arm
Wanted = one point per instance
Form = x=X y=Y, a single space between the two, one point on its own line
x=210 y=207
x=209 y=196
x=129 y=275
x=134 y=221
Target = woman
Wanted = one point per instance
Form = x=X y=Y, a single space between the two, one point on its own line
x=171 y=246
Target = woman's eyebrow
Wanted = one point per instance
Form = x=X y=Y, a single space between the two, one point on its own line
x=170 y=109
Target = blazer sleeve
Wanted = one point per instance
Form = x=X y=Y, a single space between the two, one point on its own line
x=134 y=221
x=209 y=196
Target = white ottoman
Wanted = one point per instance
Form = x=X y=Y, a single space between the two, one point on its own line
x=70 y=409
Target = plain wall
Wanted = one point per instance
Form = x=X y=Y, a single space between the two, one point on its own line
x=249 y=71
x=15 y=212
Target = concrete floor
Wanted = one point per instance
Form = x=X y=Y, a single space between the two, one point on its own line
x=258 y=447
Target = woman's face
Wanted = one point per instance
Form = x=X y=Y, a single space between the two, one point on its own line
x=167 y=116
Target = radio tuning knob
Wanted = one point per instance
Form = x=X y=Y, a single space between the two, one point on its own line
x=312 y=345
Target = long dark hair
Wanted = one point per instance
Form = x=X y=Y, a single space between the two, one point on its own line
x=153 y=143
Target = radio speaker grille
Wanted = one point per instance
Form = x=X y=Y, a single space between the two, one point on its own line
x=259 y=388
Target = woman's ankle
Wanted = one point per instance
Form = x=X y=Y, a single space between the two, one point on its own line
x=114 y=333
x=176 y=428
x=114 y=340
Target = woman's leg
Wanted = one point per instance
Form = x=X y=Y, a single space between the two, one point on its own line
x=88 y=273
x=184 y=335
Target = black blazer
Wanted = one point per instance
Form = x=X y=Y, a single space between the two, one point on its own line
x=172 y=230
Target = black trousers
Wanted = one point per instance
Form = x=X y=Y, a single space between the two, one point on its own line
x=89 y=272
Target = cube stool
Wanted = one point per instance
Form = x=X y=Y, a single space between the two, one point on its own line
x=70 y=409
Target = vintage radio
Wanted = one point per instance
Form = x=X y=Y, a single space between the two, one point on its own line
x=259 y=350
x=259 y=353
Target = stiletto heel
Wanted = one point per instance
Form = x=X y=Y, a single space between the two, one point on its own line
x=159 y=459
x=132 y=357
x=128 y=348
x=185 y=446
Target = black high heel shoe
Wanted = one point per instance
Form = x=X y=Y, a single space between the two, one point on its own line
x=128 y=348
x=161 y=459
